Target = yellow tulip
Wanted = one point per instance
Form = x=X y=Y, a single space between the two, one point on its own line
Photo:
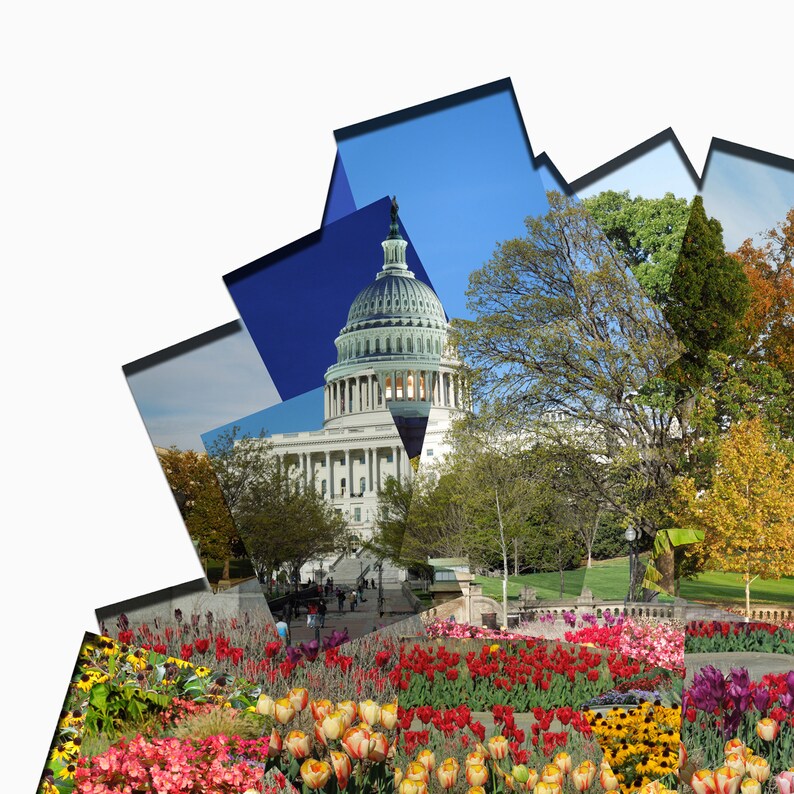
x=427 y=758
x=750 y=786
x=355 y=742
x=475 y=758
x=498 y=747
x=727 y=780
x=378 y=747
x=265 y=705
x=703 y=782
x=349 y=709
x=416 y=770
x=447 y=775
x=315 y=774
x=298 y=744
x=283 y=711
x=321 y=709
x=608 y=780
x=563 y=762
x=758 y=768
x=736 y=762
x=547 y=788
x=388 y=716
x=551 y=773
x=767 y=729
x=334 y=725
x=299 y=697
x=412 y=787
x=369 y=711
x=476 y=775
x=343 y=768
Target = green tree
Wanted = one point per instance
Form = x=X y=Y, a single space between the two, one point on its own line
x=709 y=296
x=648 y=232
x=563 y=331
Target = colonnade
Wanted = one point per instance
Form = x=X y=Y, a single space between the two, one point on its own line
x=360 y=393
x=345 y=471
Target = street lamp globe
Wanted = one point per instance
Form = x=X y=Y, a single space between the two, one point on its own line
x=631 y=534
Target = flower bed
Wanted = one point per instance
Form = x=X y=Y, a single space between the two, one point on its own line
x=523 y=674
x=723 y=637
x=719 y=708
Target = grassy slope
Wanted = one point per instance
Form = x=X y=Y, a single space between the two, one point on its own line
x=608 y=579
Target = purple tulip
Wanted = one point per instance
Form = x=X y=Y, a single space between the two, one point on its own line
x=790 y=682
x=761 y=699
x=731 y=723
x=739 y=687
x=786 y=701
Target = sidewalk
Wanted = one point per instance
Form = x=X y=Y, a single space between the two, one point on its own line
x=361 y=621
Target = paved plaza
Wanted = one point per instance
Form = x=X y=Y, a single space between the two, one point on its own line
x=364 y=619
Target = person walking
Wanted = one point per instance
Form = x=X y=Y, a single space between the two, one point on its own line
x=311 y=616
x=288 y=613
x=322 y=608
x=283 y=630
x=351 y=599
x=340 y=598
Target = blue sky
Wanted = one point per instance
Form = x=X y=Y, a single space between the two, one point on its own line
x=464 y=180
x=746 y=195
x=650 y=175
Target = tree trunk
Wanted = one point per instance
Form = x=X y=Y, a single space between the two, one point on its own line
x=515 y=556
x=665 y=564
x=225 y=574
x=503 y=542
x=562 y=583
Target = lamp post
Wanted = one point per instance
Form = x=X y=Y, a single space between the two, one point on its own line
x=631 y=537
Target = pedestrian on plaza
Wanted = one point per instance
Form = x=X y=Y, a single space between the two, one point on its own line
x=340 y=597
x=288 y=613
x=283 y=630
x=361 y=592
x=311 y=616
x=372 y=585
x=351 y=599
x=322 y=608
x=366 y=584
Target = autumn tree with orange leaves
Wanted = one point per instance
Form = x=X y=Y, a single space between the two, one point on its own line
x=748 y=512
x=769 y=322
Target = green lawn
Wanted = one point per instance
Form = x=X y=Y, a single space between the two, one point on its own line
x=238 y=569
x=608 y=579
x=728 y=588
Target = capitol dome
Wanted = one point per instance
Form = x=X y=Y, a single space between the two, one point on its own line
x=392 y=352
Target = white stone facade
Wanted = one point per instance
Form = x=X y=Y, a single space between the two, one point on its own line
x=392 y=357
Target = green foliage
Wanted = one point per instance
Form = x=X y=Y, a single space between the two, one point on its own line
x=648 y=232
x=223 y=722
x=709 y=295
x=113 y=705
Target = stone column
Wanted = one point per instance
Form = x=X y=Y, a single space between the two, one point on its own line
x=329 y=474
x=368 y=473
x=349 y=454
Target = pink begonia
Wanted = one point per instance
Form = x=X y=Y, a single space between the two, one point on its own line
x=218 y=764
x=659 y=644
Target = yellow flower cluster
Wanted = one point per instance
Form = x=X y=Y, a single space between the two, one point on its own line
x=639 y=743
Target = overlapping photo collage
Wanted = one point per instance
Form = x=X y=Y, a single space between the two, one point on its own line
x=491 y=483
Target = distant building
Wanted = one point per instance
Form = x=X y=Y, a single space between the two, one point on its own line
x=388 y=399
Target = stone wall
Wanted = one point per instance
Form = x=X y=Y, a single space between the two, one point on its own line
x=192 y=598
x=457 y=609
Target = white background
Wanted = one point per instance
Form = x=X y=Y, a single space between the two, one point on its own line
x=151 y=147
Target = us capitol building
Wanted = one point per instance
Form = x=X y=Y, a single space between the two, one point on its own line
x=388 y=399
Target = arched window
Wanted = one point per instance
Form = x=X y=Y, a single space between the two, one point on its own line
x=388 y=345
x=377 y=345
x=343 y=485
x=419 y=348
x=324 y=487
x=358 y=347
x=366 y=347
x=362 y=485
x=409 y=346
x=399 y=345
